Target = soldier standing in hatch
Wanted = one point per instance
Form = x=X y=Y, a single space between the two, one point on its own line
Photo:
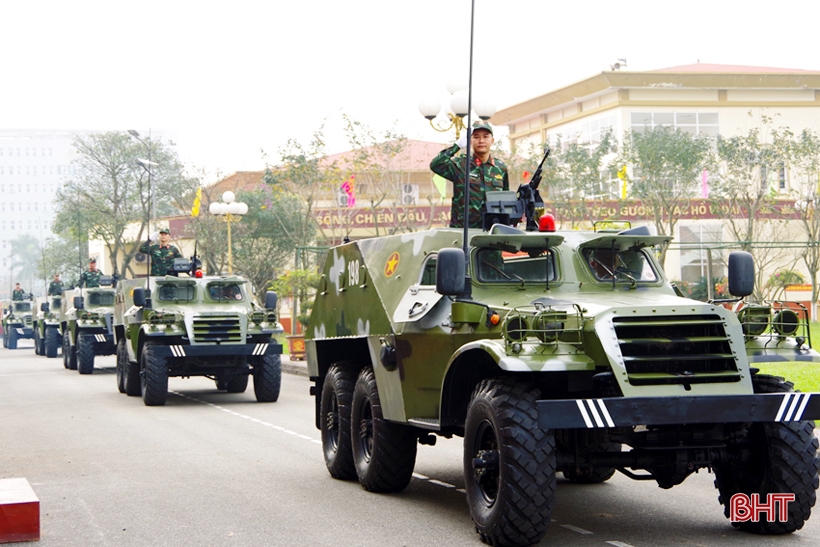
x=162 y=254
x=487 y=174
x=91 y=277
x=18 y=293
x=55 y=288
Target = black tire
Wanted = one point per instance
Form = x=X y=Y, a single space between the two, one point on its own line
x=131 y=380
x=384 y=453
x=334 y=420
x=509 y=464
x=85 y=354
x=52 y=342
x=777 y=458
x=122 y=364
x=5 y=338
x=238 y=381
x=69 y=353
x=154 y=377
x=12 y=343
x=582 y=443
x=37 y=341
x=267 y=378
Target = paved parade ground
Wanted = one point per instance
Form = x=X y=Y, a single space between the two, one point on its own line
x=218 y=469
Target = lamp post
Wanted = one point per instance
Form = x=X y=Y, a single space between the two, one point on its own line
x=231 y=211
x=443 y=120
x=146 y=164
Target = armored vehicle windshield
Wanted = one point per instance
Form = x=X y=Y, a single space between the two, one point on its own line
x=101 y=298
x=628 y=266
x=528 y=265
x=22 y=307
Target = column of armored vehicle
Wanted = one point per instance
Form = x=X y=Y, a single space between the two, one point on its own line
x=179 y=325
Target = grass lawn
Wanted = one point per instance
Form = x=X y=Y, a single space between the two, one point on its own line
x=805 y=376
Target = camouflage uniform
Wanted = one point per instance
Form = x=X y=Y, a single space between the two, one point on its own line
x=162 y=258
x=18 y=294
x=55 y=288
x=89 y=279
x=484 y=177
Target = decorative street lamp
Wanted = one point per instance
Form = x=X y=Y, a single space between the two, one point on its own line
x=444 y=120
x=147 y=164
x=231 y=211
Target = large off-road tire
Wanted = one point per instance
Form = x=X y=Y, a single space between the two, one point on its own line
x=238 y=381
x=12 y=343
x=777 y=457
x=334 y=420
x=154 y=377
x=509 y=464
x=69 y=353
x=122 y=363
x=267 y=378
x=52 y=342
x=384 y=453
x=38 y=342
x=85 y=354
x=583 y=442
x=131 y=376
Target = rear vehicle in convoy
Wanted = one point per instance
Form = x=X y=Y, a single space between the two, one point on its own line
x=47 y=334
x=182 y=326
x=17 y=322
x=88 y=325
x=561 y=352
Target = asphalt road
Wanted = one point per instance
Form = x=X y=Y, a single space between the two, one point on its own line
x=217 y=469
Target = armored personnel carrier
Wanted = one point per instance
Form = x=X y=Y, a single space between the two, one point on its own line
x=47 y=335
x=88 y=325
x=554 y=352
x=17 y=322
x=180 y=325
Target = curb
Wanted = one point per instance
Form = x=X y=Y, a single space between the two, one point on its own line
x=297 y=368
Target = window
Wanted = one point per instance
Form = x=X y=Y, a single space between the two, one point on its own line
x=695 y=123
x=227 y=292
x=527 y=265
x=630 y=266
x=176 y=292
x=101 y=299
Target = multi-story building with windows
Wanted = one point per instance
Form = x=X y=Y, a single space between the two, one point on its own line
x=702 y=99
x=33 y=166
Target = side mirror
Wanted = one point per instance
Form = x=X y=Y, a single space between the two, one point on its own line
x=450 y=272
x=741 y=274
x=270 y=300
x=139 y=297
x=44 y=306
x=78 y=302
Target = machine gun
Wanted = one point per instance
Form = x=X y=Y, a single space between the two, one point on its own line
x=509 y=207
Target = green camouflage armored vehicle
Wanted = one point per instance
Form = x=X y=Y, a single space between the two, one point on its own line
x=88 y=325
x=564 y=352
x=195 y=326
x=47 y=336
x=17 y=322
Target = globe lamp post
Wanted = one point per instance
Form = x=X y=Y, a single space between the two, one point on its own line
x=231 y=211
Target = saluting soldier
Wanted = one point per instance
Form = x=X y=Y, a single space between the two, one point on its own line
x=487 y=174
x=91 y=277
x=18 y=293
x=55 y=288
x=162 y=254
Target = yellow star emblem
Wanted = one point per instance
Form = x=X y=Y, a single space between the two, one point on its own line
x=392 y=264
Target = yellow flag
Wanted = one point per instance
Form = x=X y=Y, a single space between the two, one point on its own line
x=441 y=185
x=622 y=176
x=197 y=203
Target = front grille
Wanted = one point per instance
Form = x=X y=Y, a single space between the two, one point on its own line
x=27 y=320
x=210 y=329
x=684 y=346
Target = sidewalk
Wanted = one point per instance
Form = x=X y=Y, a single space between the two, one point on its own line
x=299 y=368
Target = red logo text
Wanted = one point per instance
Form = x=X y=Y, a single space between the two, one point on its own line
x=744 y=508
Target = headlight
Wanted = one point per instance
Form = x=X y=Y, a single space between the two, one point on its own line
x=257 y=317
x=515 y=328
x=786 y=322
x=159 y=318
x=754 y=319
x=548 y=326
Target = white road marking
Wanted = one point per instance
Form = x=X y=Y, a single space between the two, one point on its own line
x=618 y=543
x=576 y=529
x=440 y=483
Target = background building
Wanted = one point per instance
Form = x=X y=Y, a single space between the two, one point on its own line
x=33 y=166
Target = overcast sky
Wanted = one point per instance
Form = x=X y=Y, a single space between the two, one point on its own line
x=225 y=80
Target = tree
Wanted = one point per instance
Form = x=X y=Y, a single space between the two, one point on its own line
x=667 y=164
x=25 y=256
x=265 y=240
x=64 y=256
x=304 y=172
x=110 y=193
x=805 y=174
